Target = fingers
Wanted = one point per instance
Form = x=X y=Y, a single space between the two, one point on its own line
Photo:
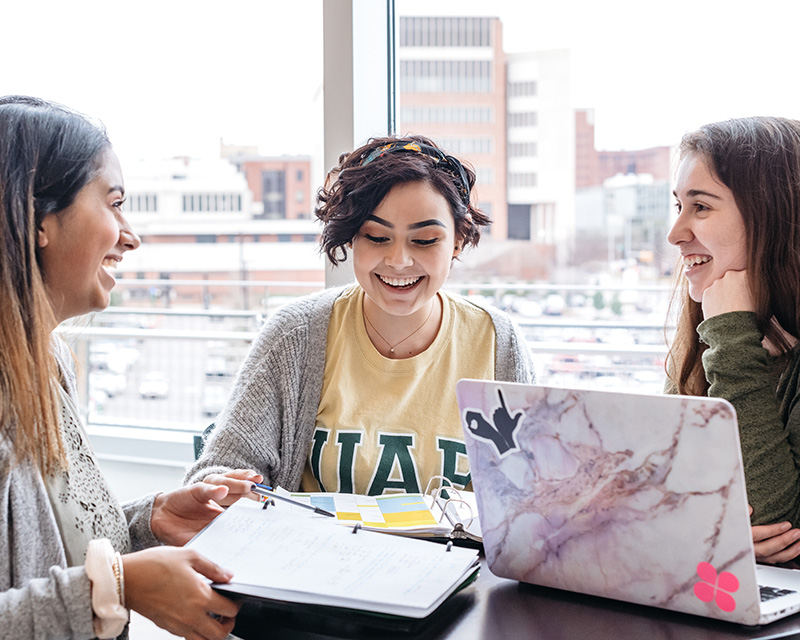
x=210 y=570
x=205 y=491
x=766 y=531
x=245 y=474
x=785 y=555
x=167 y=585
x=238 y=482
x=215 y=628
x=224 y=608
x=211 y=626
x=776 y=543
x=729 y=293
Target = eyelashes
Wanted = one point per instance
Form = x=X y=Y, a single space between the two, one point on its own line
x=419 y=242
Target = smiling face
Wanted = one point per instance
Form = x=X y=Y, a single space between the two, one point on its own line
x=81 y=245
x=402 y=253
x=709 y=231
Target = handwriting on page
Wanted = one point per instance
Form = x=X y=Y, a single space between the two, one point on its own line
x=279 y=550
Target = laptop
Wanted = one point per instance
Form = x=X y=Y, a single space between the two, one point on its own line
x=639 y=498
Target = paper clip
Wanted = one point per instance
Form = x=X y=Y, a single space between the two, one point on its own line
x=269 y=502
x=356 y=527
x=449 y=546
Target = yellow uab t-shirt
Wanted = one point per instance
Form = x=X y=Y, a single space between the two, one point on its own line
x=386 y=425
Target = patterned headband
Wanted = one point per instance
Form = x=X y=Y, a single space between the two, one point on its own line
x=441 y=160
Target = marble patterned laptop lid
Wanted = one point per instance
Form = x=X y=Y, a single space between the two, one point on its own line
x=634 y=497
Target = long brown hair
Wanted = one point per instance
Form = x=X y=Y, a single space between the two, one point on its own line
x=47 y=155
x=758 y=159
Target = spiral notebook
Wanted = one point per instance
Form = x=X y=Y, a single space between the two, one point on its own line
x=634 y=497
x=279 y=555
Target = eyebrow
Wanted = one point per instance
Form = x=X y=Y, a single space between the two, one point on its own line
x=116 y=187
x=693 y=193
x=416 y=225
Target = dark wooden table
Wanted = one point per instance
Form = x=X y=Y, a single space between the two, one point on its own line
x=494 y=607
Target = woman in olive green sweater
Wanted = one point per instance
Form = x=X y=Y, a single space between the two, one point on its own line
x=737 y=194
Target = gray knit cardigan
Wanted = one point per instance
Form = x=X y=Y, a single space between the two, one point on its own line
x=39 y=596
x=269 y=420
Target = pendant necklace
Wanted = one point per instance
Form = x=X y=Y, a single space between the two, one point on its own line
x=392 y=346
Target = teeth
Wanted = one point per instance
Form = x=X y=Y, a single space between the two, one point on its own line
x=109 y=263
x=399 y=282
x=690 y=261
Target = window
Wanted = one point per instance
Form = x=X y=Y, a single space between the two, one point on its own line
x=484 y=175
x=273 y=190
x=466 y=146
x=452 y=76
x=141 y=202
x=447 y=115
x=445 y=32
x=522 y=119
x=211 y=202
x=519 y=222
x=517 y=89
x=517 y=180
x=521 y=149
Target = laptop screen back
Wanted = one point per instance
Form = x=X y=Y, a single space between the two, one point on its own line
x=626 y=496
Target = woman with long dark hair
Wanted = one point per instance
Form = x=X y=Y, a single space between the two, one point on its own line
x=738 y=230
x=67 y=569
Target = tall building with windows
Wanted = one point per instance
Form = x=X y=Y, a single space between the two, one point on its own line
x=541 y=150
x=452 y=89
x=508 y=114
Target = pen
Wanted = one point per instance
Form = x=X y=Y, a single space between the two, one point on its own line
x=267 y=492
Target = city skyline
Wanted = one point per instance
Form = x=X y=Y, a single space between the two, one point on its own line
x=173 y=78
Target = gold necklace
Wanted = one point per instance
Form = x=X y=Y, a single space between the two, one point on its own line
x=392 y=346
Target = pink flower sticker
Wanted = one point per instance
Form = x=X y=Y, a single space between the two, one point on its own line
x=717 y=587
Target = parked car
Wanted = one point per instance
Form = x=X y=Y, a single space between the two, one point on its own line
x=154 y=385
x=110 y=383
x=214 y=400
x=217 y=369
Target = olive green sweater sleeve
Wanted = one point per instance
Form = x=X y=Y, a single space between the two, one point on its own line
x=739 y=369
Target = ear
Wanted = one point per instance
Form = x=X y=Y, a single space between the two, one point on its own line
x=458 y=248
x=42 y=239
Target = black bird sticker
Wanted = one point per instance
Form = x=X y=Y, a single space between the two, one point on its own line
x=500 y=432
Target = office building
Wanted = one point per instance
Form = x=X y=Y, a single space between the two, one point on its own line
x=452 y=89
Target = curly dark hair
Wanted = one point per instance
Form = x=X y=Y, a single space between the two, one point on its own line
x=355 y=188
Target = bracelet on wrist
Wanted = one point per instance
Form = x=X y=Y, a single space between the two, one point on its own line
x=104 y=569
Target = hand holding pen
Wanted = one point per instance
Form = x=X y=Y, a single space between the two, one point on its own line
x=268 y=492
x=238 y=482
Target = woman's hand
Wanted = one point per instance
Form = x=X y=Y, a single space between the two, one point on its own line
x=181 y=514
x=238 y=482
x=729 y=293
x=775 y=543
x=167 y=585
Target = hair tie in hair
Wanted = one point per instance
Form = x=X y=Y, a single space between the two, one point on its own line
x=448 y=163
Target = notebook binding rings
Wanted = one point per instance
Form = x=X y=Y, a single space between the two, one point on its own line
x=459 y=528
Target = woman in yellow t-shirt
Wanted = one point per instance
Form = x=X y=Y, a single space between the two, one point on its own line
x=353 y=389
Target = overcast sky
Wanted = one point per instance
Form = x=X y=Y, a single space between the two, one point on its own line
x=170 y=77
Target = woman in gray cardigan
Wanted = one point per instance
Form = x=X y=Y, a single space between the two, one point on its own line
x=353 y=390
x=66 y=567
